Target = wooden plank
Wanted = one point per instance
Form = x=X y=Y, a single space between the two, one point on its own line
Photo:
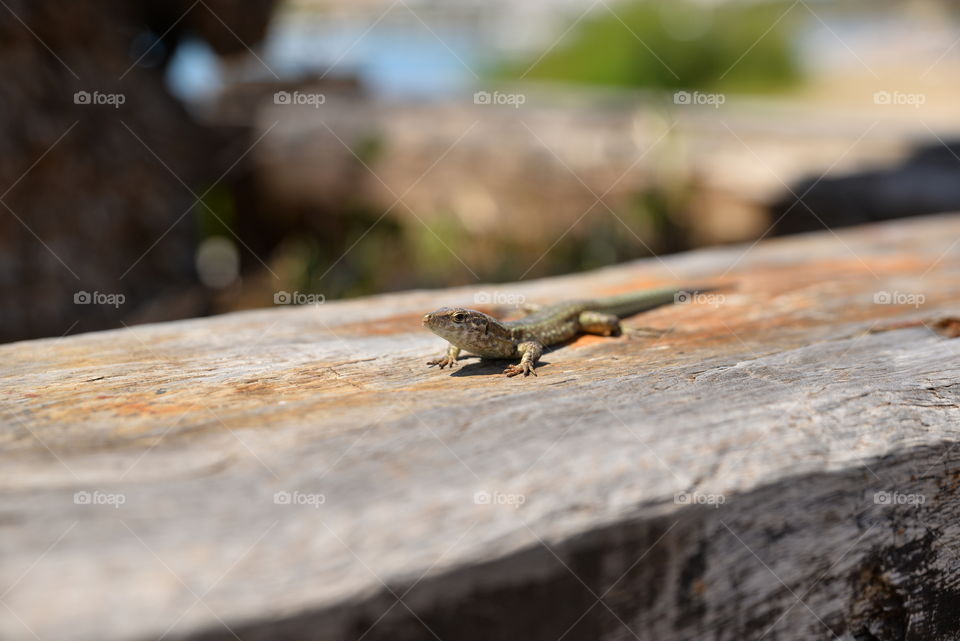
x=288 y=473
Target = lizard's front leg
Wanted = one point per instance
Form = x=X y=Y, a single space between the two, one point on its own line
x=450 y=358
x=530 y=352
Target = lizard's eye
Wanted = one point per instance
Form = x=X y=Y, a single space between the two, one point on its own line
x=458 y=317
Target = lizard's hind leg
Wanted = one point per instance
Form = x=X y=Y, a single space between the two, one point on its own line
x=599 y=323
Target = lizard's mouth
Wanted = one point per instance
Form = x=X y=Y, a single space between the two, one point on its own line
x=436 y=325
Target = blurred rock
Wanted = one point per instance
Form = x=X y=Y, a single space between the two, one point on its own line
x=927 y=182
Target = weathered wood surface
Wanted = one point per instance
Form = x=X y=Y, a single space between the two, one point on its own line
x=793 y=401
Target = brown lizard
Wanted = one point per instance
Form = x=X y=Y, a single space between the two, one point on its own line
x=526 y=338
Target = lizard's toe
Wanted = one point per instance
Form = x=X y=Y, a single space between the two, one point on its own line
x=646 y=332
x=523 y=368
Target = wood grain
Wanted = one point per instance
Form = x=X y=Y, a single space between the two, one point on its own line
x=716 y=480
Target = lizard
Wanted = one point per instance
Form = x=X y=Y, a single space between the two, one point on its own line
x=526 y=338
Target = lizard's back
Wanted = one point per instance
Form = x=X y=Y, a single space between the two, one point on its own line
x=557 y=323
x=551 y=325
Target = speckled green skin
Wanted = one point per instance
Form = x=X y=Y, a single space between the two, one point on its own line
x=485 y=336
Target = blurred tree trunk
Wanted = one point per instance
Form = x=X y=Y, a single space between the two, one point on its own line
x=97 y=188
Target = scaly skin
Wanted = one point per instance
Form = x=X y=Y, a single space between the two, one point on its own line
x=526 y=338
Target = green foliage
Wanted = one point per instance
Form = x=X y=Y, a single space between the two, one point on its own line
x=216 y=212
x=368 y=148
x=369 y=258
x=673 y=44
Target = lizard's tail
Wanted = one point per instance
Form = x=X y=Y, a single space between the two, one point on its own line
x=635 y=302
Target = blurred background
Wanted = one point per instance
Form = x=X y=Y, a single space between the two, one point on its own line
x=165 y=159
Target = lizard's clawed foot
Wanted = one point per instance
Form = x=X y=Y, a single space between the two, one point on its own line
x=646 y=332
x=523 y=368
x=443 y=361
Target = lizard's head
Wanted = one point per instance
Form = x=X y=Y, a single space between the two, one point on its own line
x=453 y=322
x=465 y=328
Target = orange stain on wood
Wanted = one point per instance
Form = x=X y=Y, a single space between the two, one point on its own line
x=586 y=340
x=399 y=324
